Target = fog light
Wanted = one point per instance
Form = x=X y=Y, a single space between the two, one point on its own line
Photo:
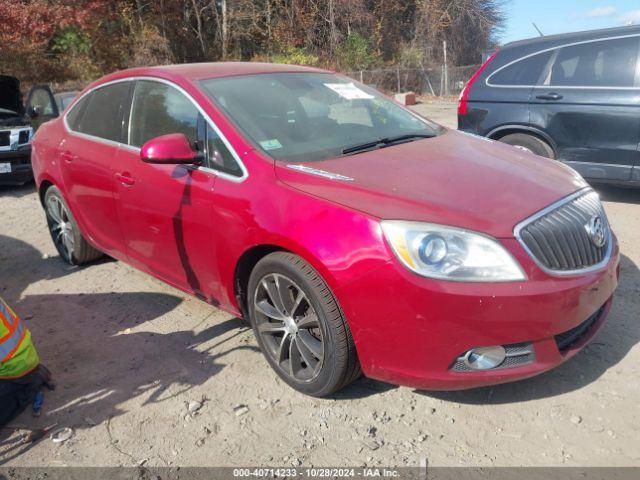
x=485 y=358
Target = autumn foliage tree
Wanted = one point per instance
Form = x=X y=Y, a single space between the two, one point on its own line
x=58 y=40
x=35 y=33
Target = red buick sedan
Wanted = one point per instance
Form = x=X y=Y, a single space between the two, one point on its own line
x=353 y=234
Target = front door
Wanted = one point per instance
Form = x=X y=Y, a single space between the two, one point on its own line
x=590 y=106
x=165 y=210
x=41 y=106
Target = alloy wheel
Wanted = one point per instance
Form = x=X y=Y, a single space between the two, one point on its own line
x=60 y=226
x=289 y=327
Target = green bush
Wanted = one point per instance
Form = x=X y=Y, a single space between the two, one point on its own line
x=355 y=53
x=411 y=57
x=70 y=41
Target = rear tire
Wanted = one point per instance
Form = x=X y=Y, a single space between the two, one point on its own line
x=302 y=333
x=529 y=143
x=64 y=230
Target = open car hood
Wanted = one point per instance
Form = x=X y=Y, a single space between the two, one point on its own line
x=10 y=96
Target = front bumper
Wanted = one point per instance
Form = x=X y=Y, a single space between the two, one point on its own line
x=20 y=161
x=411 y=330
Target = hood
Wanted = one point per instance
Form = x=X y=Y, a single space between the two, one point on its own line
x=10 y=96
x=454 y=179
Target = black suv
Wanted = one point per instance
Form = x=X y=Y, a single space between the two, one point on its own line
x=572 y=97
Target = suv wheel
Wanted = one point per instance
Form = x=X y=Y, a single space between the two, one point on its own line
x=66 y=236
x=529 y=143
x=299 y=326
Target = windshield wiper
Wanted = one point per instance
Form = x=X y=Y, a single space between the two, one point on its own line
x=385 y=142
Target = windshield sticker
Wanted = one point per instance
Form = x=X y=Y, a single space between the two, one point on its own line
x=272 y=144
x=349 y=91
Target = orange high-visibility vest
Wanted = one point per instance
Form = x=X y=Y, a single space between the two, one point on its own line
x=18 y=355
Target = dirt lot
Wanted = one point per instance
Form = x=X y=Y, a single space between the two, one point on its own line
x=130 y=354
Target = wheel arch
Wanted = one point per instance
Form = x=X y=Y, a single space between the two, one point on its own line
x=250 y=257
x=42 y=189
x=244 y=267
x=504 y=130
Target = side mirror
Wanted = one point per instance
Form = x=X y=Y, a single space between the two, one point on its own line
x=174 y=148
x=34 y=111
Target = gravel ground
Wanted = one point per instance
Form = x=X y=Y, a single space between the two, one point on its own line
x=147 y=375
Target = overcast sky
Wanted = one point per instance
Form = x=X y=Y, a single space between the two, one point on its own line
x=561 y=16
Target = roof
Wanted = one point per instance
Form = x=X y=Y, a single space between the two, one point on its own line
x=199 y=71
x=577 y=36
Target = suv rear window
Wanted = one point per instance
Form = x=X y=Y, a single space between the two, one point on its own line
x=524 y=72
x=610 y=63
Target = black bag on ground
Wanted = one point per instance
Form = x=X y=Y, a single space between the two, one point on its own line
x=17 y=394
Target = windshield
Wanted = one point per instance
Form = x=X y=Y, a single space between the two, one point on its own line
x=304 y=117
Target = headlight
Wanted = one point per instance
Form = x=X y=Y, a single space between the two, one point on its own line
x=449 y=253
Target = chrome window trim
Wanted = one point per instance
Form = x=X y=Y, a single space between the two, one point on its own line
x=131 y=148
x=558 y=47
x=564 y=273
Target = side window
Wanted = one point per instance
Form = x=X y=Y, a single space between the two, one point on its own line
x=42 y=100
x=74 y=117
x=611 y=63
x=103 y=114
x=159 y=109
x=219 y=156
x=522 y=73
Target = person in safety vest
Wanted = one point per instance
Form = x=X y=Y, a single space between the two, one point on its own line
x=21 y=375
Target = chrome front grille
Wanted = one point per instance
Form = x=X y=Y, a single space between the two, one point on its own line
x=12 y=138
x=561 y=237
x=5 y=138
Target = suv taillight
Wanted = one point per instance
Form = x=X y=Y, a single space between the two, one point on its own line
x=464 y=95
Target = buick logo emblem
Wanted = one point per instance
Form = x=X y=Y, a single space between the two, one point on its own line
x=596 y=231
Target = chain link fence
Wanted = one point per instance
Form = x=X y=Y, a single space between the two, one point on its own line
x=423 y=81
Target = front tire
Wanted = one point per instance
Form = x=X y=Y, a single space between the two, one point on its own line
x=529 y=143
x=299 y=326
x=66 y=236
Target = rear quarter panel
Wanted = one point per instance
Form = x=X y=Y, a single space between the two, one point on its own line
x=44 y=154
x=491 y=107
x=485 y=117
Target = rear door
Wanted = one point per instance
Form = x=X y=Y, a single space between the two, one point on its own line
x=87 y=156
x=41 y=106
x=589 y=103
x=504 y=98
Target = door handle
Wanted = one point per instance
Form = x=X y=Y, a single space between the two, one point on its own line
x=550 y=96
x=125 y=179
x=67 y=156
